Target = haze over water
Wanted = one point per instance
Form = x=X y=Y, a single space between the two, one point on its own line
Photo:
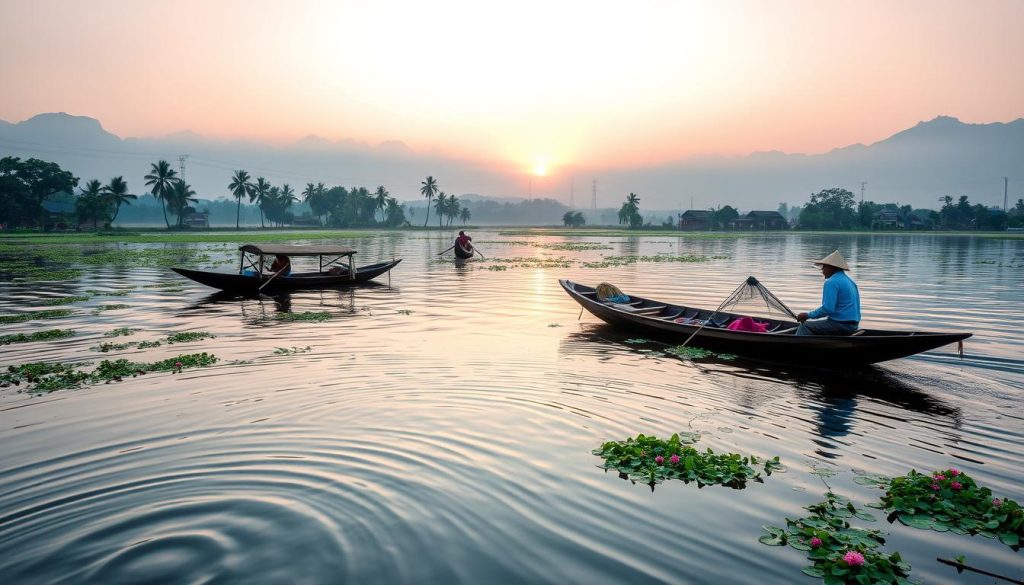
x=440 y=426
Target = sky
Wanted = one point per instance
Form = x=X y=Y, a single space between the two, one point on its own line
x=539 y=86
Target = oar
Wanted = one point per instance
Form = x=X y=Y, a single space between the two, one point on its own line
x=445 y=250
x=272 y=277
x=477 y=250
x=961 y=566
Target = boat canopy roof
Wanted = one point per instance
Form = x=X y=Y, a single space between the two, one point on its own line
x=291 y=250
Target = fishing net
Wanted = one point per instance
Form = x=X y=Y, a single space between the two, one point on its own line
x=753 y=298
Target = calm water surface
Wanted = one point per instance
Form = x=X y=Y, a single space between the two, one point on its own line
x=439 y=429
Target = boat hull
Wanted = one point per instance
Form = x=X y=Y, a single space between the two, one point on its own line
x=819 y=351
x=462 y=253
x=241 y=283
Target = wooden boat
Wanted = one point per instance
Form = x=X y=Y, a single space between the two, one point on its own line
x=464 y=253
x=336 y=270
x=677 y=323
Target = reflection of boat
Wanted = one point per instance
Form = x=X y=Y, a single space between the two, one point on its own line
x=252 y=277
x=464 y=253
x=678 y=322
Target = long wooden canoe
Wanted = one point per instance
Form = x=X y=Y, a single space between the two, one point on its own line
x=677 y=323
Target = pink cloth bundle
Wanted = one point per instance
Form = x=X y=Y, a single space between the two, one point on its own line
x=747 y=324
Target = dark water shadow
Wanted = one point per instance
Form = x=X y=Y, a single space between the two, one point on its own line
x=837 y=391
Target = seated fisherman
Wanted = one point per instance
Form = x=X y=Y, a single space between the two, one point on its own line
x=281 y=264
x=840 y=301
x=464 y=241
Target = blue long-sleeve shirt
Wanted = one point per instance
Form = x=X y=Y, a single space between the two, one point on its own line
x=840 y=299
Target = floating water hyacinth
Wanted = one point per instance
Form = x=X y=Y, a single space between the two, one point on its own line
x=187 y=336
x=47 y=335
x=950 y=500
x=651 y=460
x=46 y=377
x=33 y=315
x=310 y=316
x=121 y=331
x=840 y=553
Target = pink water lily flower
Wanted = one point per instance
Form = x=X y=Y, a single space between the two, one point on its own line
x=815 y=542
x=674 y=459
x=939 y=477
x=177 y=364
x=936 y=487
x=854 y=558
x=997 y=502
x=954 y=471
x=956 y=486
x=659 y=459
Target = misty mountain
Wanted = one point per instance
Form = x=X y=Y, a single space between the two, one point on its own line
x=917 y=165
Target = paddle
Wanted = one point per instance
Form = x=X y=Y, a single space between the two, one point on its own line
x=477 y=250
x=445 y=250
x=283 y=268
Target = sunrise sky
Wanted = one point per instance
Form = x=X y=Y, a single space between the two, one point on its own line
x=532 y=84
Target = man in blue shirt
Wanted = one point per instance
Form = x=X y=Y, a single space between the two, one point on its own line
x=840 y=301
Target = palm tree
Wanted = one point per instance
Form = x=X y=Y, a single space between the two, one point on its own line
x=285 y=199
x=159 y=178
x=440 y=206
x=116 y=193
x=180 y=195
x=453 y=209
x=629 y=213
x=395 y=215
x=259 y=194
x=428 y=190
x=89 y=204
x=381 y=199
x=465 y=215
x=240 y=186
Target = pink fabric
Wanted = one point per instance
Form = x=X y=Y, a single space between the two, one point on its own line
x=747 y=324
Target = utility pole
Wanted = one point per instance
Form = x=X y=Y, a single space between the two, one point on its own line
x=1006 y=188
x=593 y=195
x=572 y=193
x=691 y=201
x=181 y=165
x=862 y=185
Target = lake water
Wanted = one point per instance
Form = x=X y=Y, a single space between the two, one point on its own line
x=439 y=427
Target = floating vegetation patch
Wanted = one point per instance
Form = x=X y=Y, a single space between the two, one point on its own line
x=529 y=262
x=311 y=316
x=114 y=307
x=121 y=331
x=404 y=312
x=108 y=346
x=839 y=552
x=610 y=261
x=111 y=293
x=554 y=324
x=148 y=344
x=651 y=460
x=950 y=500
x=115 y=371
x=44 y=377
x=66 y=300
x=189 y=336
x=45 y=274
x=33 y=315
x=47 y=335
x=497 y=268
x=686 y=352
x=636 y=341
x=564 y=246
x=292 y=350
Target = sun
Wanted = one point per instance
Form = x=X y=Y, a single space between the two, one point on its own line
x=540 y=168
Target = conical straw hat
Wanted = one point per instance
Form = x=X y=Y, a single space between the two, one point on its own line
x=834 y=259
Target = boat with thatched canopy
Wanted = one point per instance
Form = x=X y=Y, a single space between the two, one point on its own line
x=336 y=269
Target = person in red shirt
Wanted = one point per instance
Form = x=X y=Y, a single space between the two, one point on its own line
x=463 y=241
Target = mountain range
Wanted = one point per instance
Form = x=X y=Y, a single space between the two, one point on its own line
x=942 y=156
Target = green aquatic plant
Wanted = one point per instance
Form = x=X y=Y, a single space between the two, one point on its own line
x=687 y=352
x=45 y=274
x=311 y=316
x=114 y=307
x=404 y=311
x=47 y=335
x=33 y=315
x=950 y=500
x=554 y=324
x=609 y=261
x=292 y=350
x=189 y=336
x=113 y=371
x=66 y=300
x=839 y=553
x=636 y=340
x=107 y=346
x=121 y=331
x=44 y=377
x=148 y=344
x=651 y=460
